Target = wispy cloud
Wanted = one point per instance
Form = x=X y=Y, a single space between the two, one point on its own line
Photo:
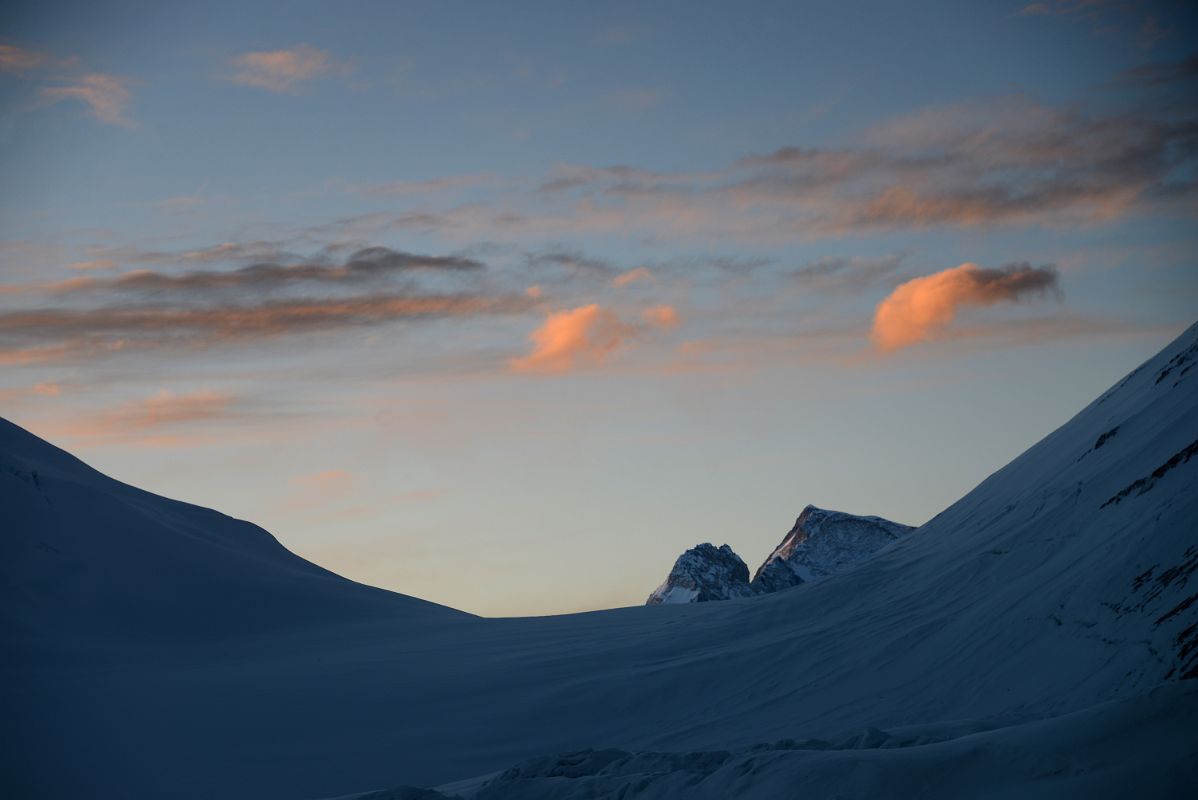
x=222 y=253
x=19 y=60
x=324 y=490
x=1146 y=23
x=569 y=261
x=87 y=317
x=367 y=265
x=923 y=307
x=1163 y=73
x=285 y=70
x=847 y=274
x=106 y=96
x=328 y=480
x=44 y=335
x=661 y=316
x=164 y=419
x=1008 y=162
x=21 y=393
x=96 y=263
x=631 y=276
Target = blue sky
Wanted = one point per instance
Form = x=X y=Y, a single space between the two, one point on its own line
x=506 y=305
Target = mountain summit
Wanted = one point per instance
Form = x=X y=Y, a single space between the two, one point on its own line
x=821 y=543
x=703 y=573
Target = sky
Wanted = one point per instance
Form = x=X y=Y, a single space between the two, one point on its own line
x=506 y=305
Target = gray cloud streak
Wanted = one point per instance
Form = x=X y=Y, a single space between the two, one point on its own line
x=366 y=265
x=199 y=308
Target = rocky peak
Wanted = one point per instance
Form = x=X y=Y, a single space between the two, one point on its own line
x=703 y=573
x=821 y=543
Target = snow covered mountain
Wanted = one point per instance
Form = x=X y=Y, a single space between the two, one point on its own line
x=703 y=573
x=83 y=555
x=1037 y=638
x=822 y=543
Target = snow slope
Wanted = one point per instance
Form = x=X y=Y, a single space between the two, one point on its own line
x=1137 y=747
x=1061 y=585
x=84 y=557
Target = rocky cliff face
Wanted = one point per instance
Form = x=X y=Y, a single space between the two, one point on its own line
x=822 y=543
x=704 y=573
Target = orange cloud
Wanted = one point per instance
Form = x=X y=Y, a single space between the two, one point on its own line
x=587 y=334
x=166 y=408
x=921 y=308
x=631 y=276
x=147 y=422
x=661 y=316
x=21 y=394
x=533 y=291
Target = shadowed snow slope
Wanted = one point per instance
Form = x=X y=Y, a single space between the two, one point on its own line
x=1137 y=747
x=85 y=556
x=156 y=649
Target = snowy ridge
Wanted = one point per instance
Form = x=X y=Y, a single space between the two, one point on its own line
x=83 y=554
x=702 y=574
x=822 y=543
x=1033 y=634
